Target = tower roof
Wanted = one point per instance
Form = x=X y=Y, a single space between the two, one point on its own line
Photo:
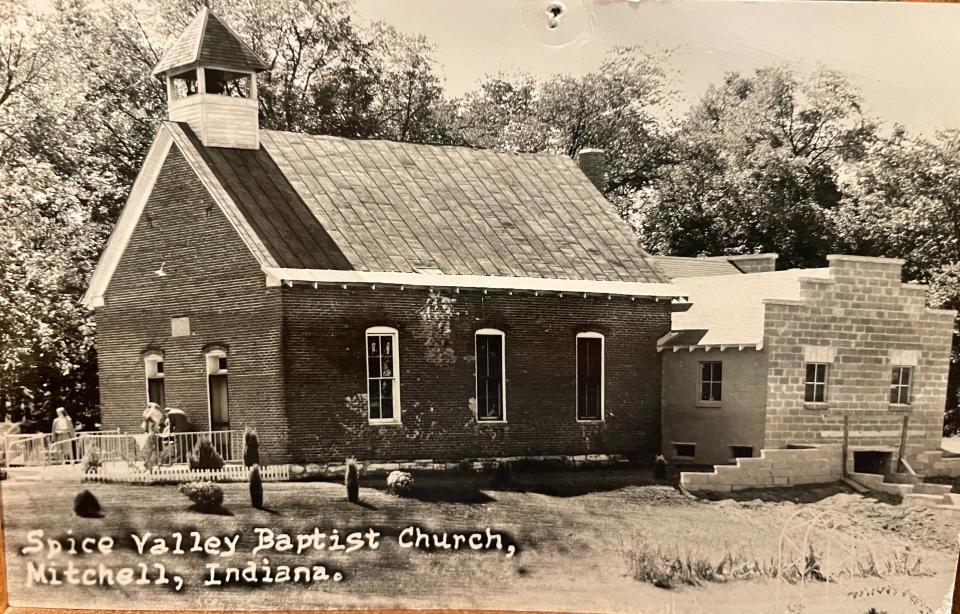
x=208 y=41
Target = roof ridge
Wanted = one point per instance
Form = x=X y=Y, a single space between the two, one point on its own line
x=334 y=137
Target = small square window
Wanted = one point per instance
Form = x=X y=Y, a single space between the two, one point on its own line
x=222 y=363
x=741 y=451
x=684 y=450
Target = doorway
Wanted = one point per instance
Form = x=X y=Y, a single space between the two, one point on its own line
x=872 y=461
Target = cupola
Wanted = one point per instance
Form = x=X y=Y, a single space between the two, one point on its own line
x=211 y=78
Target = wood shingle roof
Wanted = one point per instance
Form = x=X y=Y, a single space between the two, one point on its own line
x=210 y=42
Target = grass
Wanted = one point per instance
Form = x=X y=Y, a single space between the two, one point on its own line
x=575 y=531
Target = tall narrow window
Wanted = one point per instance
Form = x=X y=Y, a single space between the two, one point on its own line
x=153 y=366
x=900 y=385
x=217 y=389
x=491 y=375
x=589 y=376
x=815 y=384
x=711 y=381
x=383 y=374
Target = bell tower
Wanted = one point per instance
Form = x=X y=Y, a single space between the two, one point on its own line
x=211 y=79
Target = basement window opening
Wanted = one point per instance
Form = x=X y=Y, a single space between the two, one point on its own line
x=741 y=451
x=684 y=451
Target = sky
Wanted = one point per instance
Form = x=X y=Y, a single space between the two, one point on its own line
x=904 y=57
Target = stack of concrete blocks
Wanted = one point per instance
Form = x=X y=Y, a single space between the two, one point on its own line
x=934 y=463
x=813 y=464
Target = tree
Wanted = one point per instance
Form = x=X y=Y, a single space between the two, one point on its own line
x=614 y=108
x=755 y=168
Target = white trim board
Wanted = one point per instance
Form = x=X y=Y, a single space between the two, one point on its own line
x=168 y=135
x=278 y=276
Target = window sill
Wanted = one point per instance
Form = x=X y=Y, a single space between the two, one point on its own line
x=683 y=459
x=816 y=406
x=900 y=407
x=491 y=421
x=590 y=420
x=384 y=423
x=712 y=404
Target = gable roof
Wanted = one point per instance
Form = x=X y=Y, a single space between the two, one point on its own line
x=681 y=266
x=208 y=41
x=729 y=310
x=400 y=207
x=333 y=210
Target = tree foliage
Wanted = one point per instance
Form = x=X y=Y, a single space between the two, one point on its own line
x=755 y=168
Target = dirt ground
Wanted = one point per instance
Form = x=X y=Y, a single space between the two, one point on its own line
x=574 y=532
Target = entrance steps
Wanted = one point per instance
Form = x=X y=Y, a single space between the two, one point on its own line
x=914 y=491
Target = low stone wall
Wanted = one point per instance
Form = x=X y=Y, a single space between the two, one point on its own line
x=312 y=470
x=774 y=467
x=934 y=463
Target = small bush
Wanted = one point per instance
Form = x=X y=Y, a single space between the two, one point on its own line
x=205 y=456
x=206 y=496
x=92 y=460
x=503 y=475
x=251 y=447
x=660 y=467
x=256 y=487
x=351 y=479
x=399 y=483
x=86 y=505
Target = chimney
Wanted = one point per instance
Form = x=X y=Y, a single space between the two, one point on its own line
x=754 y=263
x=593 y=163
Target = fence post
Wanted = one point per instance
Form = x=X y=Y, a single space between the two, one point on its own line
x=846 y=442
x=903 y=441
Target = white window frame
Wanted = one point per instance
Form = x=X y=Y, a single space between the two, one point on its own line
x=909 y=385
x=700 y=401
x=824 y=384
x=212 y=358
x=503 y=375
x=150 y=371
x=382 y=331
x=603 y=375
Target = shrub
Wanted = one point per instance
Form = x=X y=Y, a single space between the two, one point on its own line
x=503 y=475
x=660 y=467
x=206 y=496
x=92 y=460
x=251 y=447
x=256 y=487
x=205 y=456
x=351 y=479
x=86 y=505
x=399 y=483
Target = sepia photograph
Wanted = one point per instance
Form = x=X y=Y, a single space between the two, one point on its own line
x=596 y=306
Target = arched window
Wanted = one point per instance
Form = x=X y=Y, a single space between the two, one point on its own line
x=218 y=398
x=383 y=375
x=491 y=375
x=589 y=377
x=153 y=369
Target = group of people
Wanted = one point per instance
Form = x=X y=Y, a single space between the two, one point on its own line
x=164 y=420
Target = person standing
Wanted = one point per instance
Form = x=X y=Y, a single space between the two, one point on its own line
x=63 y=432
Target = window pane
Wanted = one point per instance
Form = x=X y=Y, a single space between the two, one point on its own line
x=374 y=363
x=895 y=376
x=373 y=343
x=811 y=372
x=905 y=374
x=386 y=345
x=705 y=372
x=819 y=393
x=373 y=389
x=809 y=393
x=715 y=391
x=705 y=391
x=386 y=366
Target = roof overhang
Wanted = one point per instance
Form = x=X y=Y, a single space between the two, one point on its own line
x=664 y=344
x=536 y=285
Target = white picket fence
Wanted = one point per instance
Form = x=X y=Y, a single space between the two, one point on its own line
x=177 y=474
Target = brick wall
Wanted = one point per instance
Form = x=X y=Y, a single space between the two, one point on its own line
x=211 y=278
x=871 y=321
x=788 y=467
x=326 y=388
